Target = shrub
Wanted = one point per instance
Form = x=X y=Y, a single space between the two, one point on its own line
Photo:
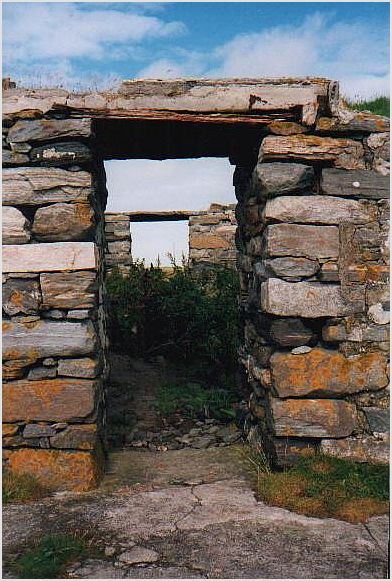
x=378 y=106
x=191 y=318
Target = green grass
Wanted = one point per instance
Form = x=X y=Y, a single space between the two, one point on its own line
x=21 y=487
x=50 y=556
x=378 y=106
x=196 y=400
x=323 y=486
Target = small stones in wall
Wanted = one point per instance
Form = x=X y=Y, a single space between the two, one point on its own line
x=290 y=332
x=272 y=179
x=63 y=154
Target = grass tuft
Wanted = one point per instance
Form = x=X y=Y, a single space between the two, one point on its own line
x=323 y=486
x=378 y=106
x=50 y=556
x=21 y=487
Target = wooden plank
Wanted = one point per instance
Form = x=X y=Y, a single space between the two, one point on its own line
x=356 y=183
x=50 y=257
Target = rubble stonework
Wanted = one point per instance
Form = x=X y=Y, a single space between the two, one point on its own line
x=312 y=244
x=118 y=252
x=212 y=236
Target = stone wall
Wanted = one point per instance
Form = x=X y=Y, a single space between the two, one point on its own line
x=212 y=236
x=53 y=316
x=312 y=254
x=118 y=251
x=313 y=260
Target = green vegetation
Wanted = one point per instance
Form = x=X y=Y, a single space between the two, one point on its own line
x=196 y=400
x=21 y=487
x=50 y=556
x=378 y=106
x=323 y=486
x=189 y=318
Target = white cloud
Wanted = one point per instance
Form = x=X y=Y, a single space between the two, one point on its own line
x=66 y=30
x=354 y=53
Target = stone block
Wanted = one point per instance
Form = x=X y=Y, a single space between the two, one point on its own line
x=378 y=419
x=57 y=470
x=119 y=246
x=69 y=290
x=11 y=158
x=290 y=332
x=286 y=128
x=15 y=369
x=304 y=299
x=271 y=179
x=38 y=431
x=57 y=256
x=82 y=367
x=359 y=449
x=66 y=153
x=313 y=418
x=358 y=183
x=49 y=129
x=329 y=272
x=200 y=241
x=49 y=400
x=38 y=373
x=342 y=152
x=293 y=268
x=63 y=222
x=47 y=339
x=290 y=450
x=34 y=186
x=355 y=332
x=319 y=210
x=353 y=121
x=326 y=373
x=15 y=227
x=21 y=296
x=302 y=240
x=77 y=437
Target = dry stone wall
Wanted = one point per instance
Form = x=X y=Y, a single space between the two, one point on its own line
x=313 y=261
x=118 y=251
x=312 y=243
x=53 y=317
x=212 y=236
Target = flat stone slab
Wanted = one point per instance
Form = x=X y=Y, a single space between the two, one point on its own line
x=50 y=257
x=214 y=530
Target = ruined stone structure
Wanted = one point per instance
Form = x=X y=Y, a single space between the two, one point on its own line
x=312 y=187
x=211 y=235
x=118 y=251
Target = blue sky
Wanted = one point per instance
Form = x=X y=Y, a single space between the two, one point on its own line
x=81 y=45
x=85 y=43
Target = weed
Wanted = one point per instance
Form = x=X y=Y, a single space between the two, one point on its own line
x=21 y=487
x=196 y=400
x=379 y=105
x=328 y=487
x=50 y=556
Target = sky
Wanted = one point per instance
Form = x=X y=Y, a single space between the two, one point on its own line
x=96 y=44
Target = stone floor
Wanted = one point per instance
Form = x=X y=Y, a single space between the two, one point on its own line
x=194 y=515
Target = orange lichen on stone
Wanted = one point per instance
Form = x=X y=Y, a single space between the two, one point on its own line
x=48 y=400
x=9 y=429
x=324 y=373
x=208 y=241
x=57 y=470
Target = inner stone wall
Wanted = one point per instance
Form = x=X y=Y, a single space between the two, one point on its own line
x=312 y=255
x=212 y=236
x=118 y=251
